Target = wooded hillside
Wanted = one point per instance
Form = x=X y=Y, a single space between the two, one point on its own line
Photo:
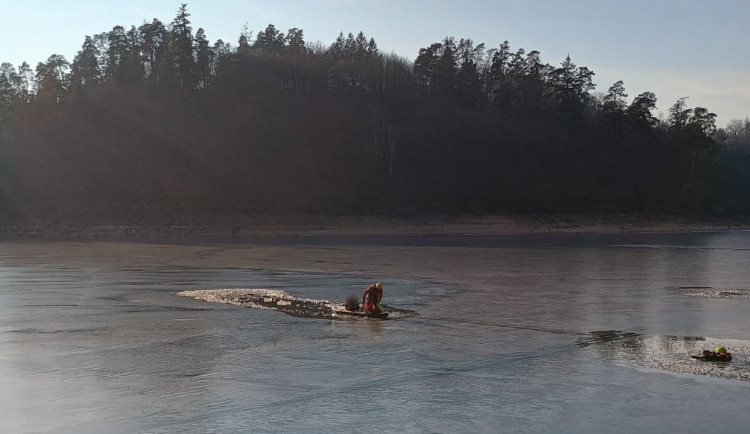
x=158 y=120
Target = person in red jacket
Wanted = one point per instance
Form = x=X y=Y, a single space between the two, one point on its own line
x=371 y=298
x=720 y=355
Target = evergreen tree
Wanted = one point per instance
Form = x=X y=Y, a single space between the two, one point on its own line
x=85 y=68
x=53 y=78
x=134 y=70
x=154 y=39
x=179 y=61
x=639 y=110
x=436 y=67
x=614 y=106
x=572 y=84
x=8 y=95
x=26 y=85
x=203 y=59
x=469 y=86
x=117 y=53
x=447 y=67
x=270 y=41
x=614 y=102
x=679 y=115
x=499 y=85
x=243 y=48
x=295 y=42
x=425 y=66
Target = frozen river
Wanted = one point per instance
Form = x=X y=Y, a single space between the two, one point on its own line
x=544 y=333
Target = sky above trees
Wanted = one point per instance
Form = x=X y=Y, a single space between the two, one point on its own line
x=674 y=48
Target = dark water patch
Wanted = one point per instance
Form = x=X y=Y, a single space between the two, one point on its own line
x=710 y=292
x=670 y=353
x=279 y=300
x=605 y=336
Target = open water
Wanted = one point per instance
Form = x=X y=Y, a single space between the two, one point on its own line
x=546 y=333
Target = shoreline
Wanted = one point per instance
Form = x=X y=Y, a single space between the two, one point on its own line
x=237 y=229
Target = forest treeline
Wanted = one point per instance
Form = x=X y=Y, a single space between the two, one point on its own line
x=156 y=120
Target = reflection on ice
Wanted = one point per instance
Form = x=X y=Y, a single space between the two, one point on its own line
x=670 y=353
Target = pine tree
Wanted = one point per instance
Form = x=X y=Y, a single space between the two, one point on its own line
x=85 y=68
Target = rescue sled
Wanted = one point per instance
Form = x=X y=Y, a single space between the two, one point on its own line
x=341 y=311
